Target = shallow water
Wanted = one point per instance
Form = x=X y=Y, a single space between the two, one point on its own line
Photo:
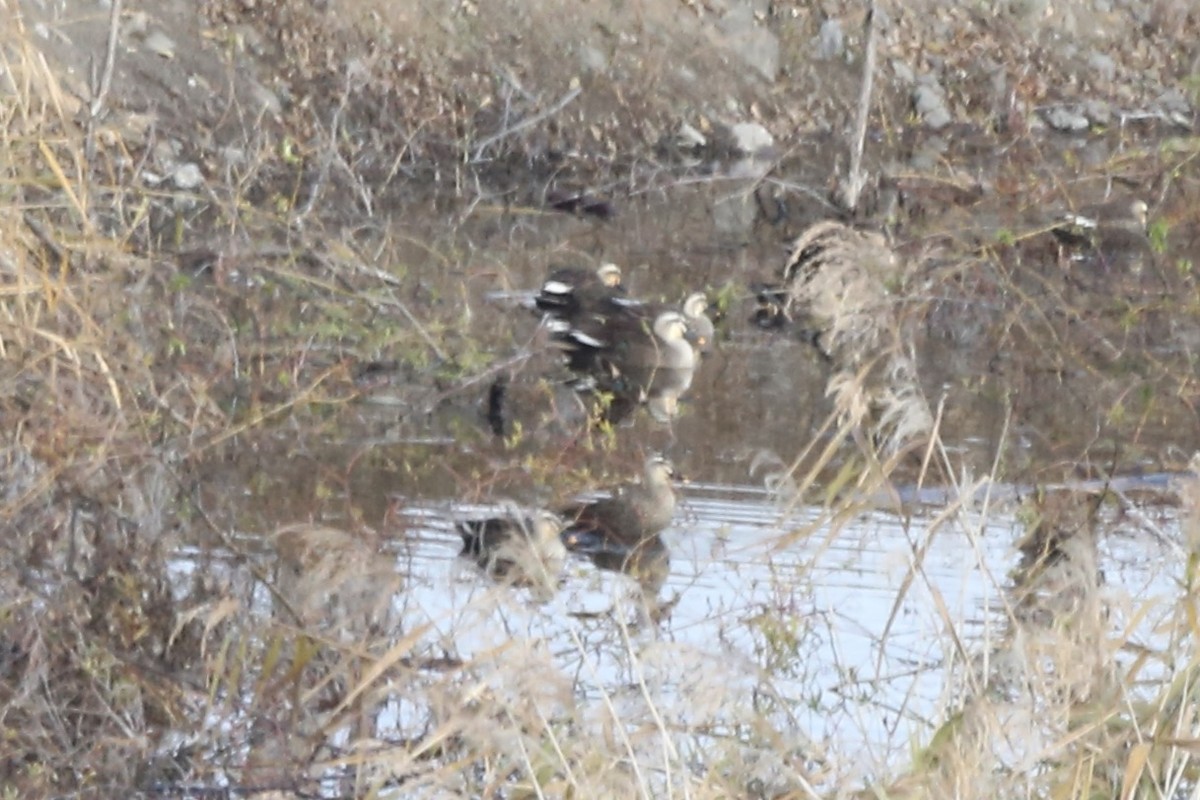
x=848 y=639
x=828 y=634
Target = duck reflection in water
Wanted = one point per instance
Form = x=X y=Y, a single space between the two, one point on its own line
x=633 y=359
x=659 y=389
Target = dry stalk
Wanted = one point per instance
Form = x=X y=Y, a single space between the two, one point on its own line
x=102 y=84
x=857 y=180
x=529 y=121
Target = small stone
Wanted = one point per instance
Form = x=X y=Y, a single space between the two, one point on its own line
x=831 y=41
x=1174 y=102
x=756 y=46
x=1066 y=118
x=592 y=60
x=1103 y=65
x=904 y=73
x=751 y=138
x=1097 y=111
x=160 y=44
x=187 y=176
x=931 y=107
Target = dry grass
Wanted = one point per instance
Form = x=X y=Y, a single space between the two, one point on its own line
x=158 y=637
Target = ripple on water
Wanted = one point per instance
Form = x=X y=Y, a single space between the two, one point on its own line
x=838 y=636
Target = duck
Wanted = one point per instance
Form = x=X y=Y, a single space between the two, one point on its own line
x=694 y=308
x=568 y=292
x=700 y=332
x=617 y=342
x=1092 y=224
x=526 y=549
x=636 y=362
x=628 y=520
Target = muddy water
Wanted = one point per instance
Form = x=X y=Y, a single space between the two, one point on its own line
x=767 y=609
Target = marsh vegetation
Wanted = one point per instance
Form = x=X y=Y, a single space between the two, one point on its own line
x=258 y=286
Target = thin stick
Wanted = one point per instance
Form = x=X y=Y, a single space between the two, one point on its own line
x=525 y=123
x=327 y=156
x=856 y=180
x=99 y=93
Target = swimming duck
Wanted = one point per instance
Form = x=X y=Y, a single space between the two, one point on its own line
x=620 y=342
x=569 y=291
x=700 y=332
x=633 y=514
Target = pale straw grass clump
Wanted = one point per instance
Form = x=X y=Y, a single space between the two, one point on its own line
x=846 y=285
x=1189 y=502
x=841 y=280
x=1063 y=701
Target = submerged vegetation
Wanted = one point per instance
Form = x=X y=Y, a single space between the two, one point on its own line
x=245 y=363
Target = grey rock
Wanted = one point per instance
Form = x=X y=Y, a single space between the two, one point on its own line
x=1097 y=111
x=759 y=48
x=592 y=60
x=831 y=41
x=754 y=45
x=1066 y=118
x=751 y=138
x=930 y=105
x=904 y=73
x=1173 y=101
x=187 y=176
x=1103 y=65
x=160 y=44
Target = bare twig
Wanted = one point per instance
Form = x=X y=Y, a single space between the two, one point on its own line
x=525 y=123
x=329 y=154
x=46 y=237
x=856 y=180
x=101 y=87
x=100 y=92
